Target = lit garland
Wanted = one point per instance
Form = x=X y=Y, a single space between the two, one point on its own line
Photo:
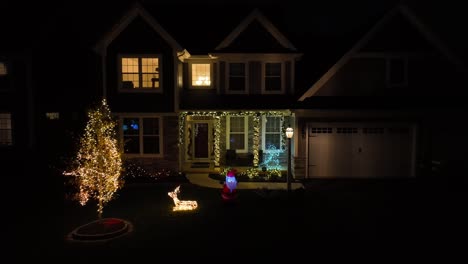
x=217 y=138
x=181 y=205
x=216 y=115
x=256 y=139
x=98 y=162
x=133 y=171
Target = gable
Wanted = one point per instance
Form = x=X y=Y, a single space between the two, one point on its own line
x=401 y=42
x=255 y=38
x=137 y=11
x=139 y=37
x=256 y=27
x=398 y=35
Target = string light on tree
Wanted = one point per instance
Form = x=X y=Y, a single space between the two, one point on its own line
x=98 y=163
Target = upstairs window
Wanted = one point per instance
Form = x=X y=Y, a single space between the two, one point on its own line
x=397 y=72
x=201 y=75
x=273 y=81
x=237 y=81
x=142 y=135
x=3 y=69
x=140 y=73
x=6 y=132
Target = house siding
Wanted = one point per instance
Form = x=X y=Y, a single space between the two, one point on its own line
x=361 y=76
x=428 y=75
x=287 y=78
x=128 y=43
x=222 y=77
x=255 y=75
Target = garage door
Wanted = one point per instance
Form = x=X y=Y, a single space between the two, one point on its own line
x=360 y=150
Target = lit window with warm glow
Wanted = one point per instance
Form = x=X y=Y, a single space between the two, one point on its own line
x=5 y=130
x=141 y=135
x=201 y=74
x=140 y=73
x=3 y=69
x=52 y=115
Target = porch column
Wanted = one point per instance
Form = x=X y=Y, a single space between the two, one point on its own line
x=256 y=138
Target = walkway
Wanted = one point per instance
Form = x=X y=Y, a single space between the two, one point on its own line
x=202 y=179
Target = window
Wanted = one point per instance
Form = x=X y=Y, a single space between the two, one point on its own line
x=201 y=75
x=237 y=81
x=397 y=72
x=237 y=127
x=272 y=133
x=5 y=130
x=140 y=73
x=4 y=78
x=52 y=115
x=142 y=135
x=273 y=82
x=3 y=69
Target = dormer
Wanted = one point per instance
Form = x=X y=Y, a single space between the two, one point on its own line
x=256 y=58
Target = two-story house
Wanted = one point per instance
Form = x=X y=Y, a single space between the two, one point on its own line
x=220 y=92
x=225 y=105
x=16 y=106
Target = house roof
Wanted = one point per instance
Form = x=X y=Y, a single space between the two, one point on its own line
x=399 y=9
x=322 y=33
x=136 y=10
x=256 y=16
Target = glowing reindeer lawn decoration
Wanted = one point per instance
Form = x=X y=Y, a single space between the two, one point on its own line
x=181 y=205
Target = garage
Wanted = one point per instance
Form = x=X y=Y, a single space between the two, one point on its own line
x=360 y=150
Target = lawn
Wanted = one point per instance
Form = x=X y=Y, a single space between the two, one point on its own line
x=327 y=214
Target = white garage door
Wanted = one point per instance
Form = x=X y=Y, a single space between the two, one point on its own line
x=360 y=150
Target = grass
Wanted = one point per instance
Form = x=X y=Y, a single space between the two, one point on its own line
x=335 y=214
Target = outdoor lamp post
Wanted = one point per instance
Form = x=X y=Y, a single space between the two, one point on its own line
x=289 y=135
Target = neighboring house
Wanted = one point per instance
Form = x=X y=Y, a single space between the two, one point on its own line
x=364 y=117
x=16 y=102
x=222 y=107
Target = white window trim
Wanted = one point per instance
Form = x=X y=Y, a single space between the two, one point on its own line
x=283 y=70
x=139 y=90
x=246 y=78
x=140 y=135
x=265 y=150
x=388 y=72
x=2 y=145
x=211 y=86
x=246 y=131
x=5 y=66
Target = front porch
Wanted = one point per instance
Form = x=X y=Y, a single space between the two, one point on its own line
x=210 y=141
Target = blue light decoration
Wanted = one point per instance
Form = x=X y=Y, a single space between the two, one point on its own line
x=229 y=187
x=125 y=127
x=271 y=161
x=134 y=126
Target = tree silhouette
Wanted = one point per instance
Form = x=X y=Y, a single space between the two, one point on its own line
x=98 y=163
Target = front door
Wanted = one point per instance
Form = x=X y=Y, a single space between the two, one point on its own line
x=200 y=139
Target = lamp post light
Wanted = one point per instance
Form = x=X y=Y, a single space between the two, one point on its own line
x=289 y=135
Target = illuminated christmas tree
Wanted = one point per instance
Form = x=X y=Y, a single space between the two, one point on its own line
x=98 y=161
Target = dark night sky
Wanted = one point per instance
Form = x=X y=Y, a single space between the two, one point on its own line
x=322 y=18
